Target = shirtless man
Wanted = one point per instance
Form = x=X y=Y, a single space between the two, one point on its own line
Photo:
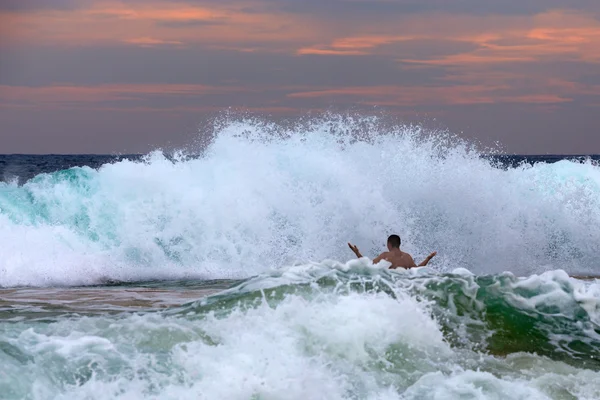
x=398 y=258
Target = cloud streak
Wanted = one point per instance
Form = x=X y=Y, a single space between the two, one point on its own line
x=61 y=94
x=411 y=96
x=149 y=42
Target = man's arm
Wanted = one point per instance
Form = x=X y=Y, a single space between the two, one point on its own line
x=379 y=258
x=427 y=259
x=411 y=262
x=355 y=250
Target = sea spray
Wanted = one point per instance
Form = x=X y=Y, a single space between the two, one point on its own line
x=263 y=195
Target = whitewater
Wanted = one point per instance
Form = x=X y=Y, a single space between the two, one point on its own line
x=223 y=272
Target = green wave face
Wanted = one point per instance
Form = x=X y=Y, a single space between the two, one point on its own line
x=317 y=331
x=550 y=315
x=69 y=199
x=503 y=315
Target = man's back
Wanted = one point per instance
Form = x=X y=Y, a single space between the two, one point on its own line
x=399 y=259
x=395 y=256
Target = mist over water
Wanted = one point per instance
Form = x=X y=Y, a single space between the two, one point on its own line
x=263 y=196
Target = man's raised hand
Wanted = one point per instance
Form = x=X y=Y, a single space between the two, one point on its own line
x=355 y=250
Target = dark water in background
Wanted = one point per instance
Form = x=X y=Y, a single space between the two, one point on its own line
x=25 y=166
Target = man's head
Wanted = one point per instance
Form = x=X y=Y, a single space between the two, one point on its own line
x=393 y=242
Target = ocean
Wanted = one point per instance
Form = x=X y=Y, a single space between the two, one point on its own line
x=223 y=271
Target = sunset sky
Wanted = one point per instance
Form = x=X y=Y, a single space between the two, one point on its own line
x=94 y=76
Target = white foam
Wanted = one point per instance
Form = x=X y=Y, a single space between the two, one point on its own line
x=300 y=348
x=264 y=196
x=471 y=385
x=555 y=289
x=322 y=346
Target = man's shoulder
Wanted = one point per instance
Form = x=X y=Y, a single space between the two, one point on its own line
x=384 y=256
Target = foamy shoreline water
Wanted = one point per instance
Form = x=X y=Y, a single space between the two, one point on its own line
x=341 y=331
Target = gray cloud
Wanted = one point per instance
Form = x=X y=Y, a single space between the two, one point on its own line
x=398 y=7
x=140 y=121
x=191 y=23
x=346 y=7
x=197 y=65
x=94 y=131
x=31 y=5
x=528 y=130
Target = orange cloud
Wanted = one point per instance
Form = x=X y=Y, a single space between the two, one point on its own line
x=160 y=20
x=495 y=39
x=358 y=45
x=130 y=98
x=155 y=11
x=498 y=39
x=409 y=96
x=330 y=52
x=470 y=59
x=150 y=42
x=494 y=43
x=399 y=96
x=553 y=34
x=367 y=42
x=47 y=95
x=201 y=109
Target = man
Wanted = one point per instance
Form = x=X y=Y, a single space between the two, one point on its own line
x=398 y=258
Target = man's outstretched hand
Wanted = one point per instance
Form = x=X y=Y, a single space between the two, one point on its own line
x=355 y=250
x=427 y=259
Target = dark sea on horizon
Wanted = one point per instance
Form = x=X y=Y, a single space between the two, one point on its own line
x=23 y=167
x=226 y=275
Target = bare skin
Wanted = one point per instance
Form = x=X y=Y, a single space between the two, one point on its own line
x=396 y=257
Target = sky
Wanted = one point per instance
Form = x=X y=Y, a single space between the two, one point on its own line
x=129 y=76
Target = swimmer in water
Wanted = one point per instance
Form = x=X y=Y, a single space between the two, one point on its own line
x=397 y=257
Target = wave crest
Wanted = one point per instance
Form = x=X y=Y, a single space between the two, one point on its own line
x=263 y=195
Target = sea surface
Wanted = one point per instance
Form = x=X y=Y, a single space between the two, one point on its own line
x=223 y=272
